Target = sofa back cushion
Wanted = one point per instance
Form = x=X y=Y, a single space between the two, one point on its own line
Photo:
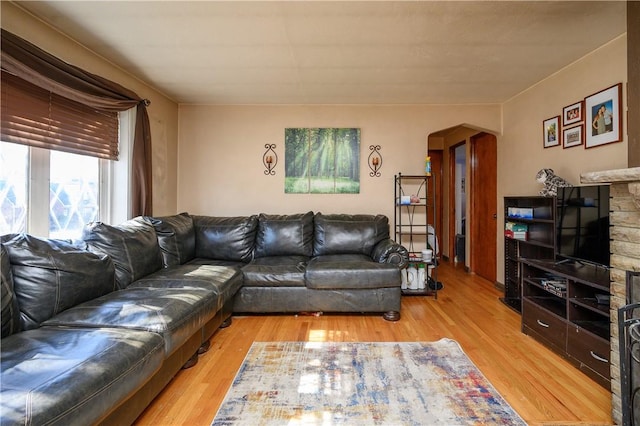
x=132 y=245
x=348 y=234
x=50 y=276
x=285 y=235
x=10 y=314
x=176 y=238
x=225 y=238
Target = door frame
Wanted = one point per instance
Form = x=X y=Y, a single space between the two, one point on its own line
x=452 y=199
x=437 y=170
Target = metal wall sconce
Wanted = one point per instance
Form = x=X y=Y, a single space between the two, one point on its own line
x=375 y=160
x=270 y=159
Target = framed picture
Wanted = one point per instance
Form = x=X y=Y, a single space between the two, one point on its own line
x=322 y=160
x=603 y=118
x=572 y=114
x=551 y=131
x=573 y=136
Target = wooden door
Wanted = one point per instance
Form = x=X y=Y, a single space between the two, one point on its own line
x=484 y=201
x=436 y=172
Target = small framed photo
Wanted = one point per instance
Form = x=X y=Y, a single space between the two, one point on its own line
x=572 y=114
x=573 y=136
x=551 y=131
x=603 y=117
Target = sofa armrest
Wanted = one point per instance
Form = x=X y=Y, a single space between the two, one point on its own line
x=388 y=251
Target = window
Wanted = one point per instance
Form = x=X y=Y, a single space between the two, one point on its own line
x=63 y=163
x=14 y=162
x=53 y=194
x=74 y=196
x=37 y=117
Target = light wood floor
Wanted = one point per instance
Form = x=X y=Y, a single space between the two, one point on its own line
x=542 y=387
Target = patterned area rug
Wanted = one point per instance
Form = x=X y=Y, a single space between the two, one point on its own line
x=337 y=383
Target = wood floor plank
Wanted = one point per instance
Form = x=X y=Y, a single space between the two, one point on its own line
x=540 y=385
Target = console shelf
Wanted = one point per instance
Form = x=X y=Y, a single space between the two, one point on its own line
x=537 y=216
x=579 y=328
x=558 y=300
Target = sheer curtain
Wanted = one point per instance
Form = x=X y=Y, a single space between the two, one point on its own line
x=24 y=60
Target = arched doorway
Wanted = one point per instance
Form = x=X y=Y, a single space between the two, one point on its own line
x=480 y=197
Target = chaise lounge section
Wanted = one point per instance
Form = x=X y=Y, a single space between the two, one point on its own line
x=323 y=263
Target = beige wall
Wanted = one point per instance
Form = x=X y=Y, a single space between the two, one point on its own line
x=220 y=169
x=520 y=150
x=163 y=112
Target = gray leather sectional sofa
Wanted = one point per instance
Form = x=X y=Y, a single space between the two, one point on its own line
x=93 y=331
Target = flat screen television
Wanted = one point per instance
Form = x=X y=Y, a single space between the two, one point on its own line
x=582 y=219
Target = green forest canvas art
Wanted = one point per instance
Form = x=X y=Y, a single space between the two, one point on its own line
x=322 y=161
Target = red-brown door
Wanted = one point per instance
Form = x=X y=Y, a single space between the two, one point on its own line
x=483 y=205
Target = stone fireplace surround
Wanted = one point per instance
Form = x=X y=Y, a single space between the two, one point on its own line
x=625 y=255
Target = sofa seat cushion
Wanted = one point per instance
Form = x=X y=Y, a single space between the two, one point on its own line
x=176 y=314
x=350 y=272
x=216 y=262
x=224 y=280
x=284 y=235
x=275 y=271
x=50 y=276
x=73 y=376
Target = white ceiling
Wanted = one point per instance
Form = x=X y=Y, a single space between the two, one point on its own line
x=338 y=52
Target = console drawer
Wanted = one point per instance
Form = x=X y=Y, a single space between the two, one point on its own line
x=593 y=351
x=544 y=325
